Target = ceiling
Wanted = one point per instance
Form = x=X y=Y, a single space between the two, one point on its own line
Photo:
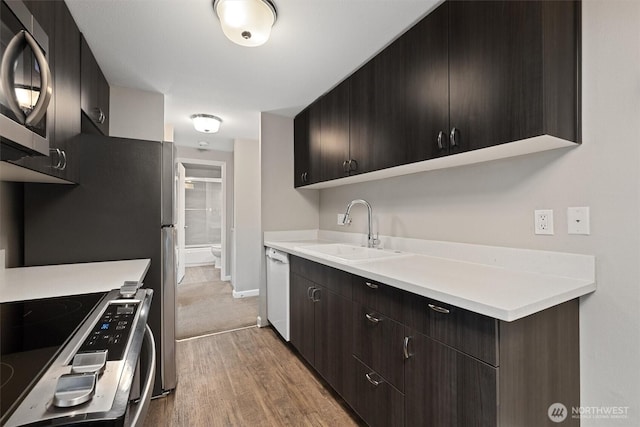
x=176 y=47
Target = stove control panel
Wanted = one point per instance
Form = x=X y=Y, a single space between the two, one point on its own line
x=112 y=331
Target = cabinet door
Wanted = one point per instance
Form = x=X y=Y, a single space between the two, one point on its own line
x=334 y=341
x=496 y=72
x=378 y=343
x=94 y=94
x=427 y=86
x=67 y=89
x=447 y=388
x=377 y=402
x=301 y=149
x=306 y=155
x=377 y=135
x=302 y=317
x=334 y=132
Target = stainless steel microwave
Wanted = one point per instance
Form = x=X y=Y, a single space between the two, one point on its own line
x=26 y=87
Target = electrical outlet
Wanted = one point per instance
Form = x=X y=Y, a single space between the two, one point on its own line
x=543 y=220
x=578 y=220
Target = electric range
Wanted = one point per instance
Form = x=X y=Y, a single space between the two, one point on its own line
x=75 y=359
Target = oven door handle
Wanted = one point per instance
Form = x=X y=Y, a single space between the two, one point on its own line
x=141 y=408
x=7 y=70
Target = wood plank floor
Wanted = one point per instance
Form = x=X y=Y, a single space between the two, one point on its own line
x=248 y=377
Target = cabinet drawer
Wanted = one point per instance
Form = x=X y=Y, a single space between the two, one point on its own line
x=464 y=330
x=333 y=279
x=382 y=298
x=378 y=342
x=376 y=401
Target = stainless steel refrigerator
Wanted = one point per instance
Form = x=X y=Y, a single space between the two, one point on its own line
x=123 y=208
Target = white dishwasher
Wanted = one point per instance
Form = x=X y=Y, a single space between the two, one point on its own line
x=278 y=291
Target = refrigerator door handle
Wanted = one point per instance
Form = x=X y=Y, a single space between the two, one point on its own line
x=169 y=276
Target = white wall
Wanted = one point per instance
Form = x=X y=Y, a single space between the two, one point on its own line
x=493 y=204
x=247 y=234
x=218 y=156
x=283 y=207
x=136 y=113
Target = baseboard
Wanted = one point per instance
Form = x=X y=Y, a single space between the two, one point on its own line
x=249 y=293
x=226 y=278
x=260 y=323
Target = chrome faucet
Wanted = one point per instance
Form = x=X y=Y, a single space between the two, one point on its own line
x=372 y=242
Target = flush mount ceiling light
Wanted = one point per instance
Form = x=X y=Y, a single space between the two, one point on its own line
x=206 y=123
x=246 y=22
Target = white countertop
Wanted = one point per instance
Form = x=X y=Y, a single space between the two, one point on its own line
x=503 y=283
x=26 y=283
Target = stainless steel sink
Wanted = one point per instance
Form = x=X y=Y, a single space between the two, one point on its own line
x=349 y=253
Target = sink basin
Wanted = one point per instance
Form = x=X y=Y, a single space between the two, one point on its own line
x=349 y=253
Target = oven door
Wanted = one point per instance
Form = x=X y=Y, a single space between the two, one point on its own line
x=26 y=85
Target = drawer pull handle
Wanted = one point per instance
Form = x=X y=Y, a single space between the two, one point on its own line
x=372 y=319
x=439 y=309
x=313 y=295
x=375 y=382
x=371 y=285
x=405 y=347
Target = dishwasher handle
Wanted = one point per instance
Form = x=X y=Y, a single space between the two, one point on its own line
x=277 y=256
x=140 y=409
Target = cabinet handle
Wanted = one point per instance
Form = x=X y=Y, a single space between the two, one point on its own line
x=100 y=117
x=313 y=295
x=64 y=160
x=441 y=138
x=345 y=169
x=453 y=137
x=310 y=292
x=373 y=319
x=353 y=165
x=304 y=176
x=375 y=382
x=405 y=347
x=58 y=157
x=439 y=309
x=371 y=285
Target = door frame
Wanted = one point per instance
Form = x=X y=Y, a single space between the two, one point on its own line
x=224 y=274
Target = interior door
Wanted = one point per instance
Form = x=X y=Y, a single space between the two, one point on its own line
x=180 y=184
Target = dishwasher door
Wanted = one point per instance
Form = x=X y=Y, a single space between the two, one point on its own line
x=278 y=291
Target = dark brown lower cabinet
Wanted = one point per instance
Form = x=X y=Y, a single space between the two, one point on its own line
x=399 y=359
x=302 y=317
x=378 y=343
x=444 y=387
x=334 y=340
x=377 y=402
x=321 y=331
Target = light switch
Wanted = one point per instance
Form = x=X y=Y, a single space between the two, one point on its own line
x=578 y=220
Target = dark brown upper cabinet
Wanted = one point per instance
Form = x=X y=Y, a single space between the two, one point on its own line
x=64 y=115
x=470 y=75
x=306 y=149
x=334 y=133
x=377 y=132
x=94 y=94
x=514 y=71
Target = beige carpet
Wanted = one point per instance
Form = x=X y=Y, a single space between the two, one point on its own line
x=205 y=305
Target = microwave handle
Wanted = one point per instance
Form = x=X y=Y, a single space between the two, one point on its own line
x=13 y=51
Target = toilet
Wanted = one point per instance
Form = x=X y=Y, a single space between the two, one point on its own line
x=216 y=250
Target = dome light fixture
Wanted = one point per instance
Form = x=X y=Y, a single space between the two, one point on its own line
x=206 y=123
x=246 y=22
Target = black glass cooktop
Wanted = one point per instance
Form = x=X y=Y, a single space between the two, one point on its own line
x=31 y=335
